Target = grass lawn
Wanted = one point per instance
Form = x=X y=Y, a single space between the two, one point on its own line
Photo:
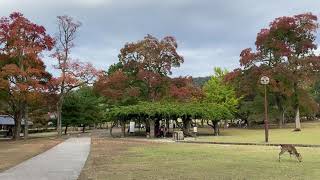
x=129 y=159
x=310 y=134
x=15 y=152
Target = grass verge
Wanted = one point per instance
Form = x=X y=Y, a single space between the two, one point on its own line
x=122 y=159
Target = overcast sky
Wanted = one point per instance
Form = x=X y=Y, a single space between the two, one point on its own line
x=209 y=32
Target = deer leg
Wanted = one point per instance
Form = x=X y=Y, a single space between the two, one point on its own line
x=282 y=151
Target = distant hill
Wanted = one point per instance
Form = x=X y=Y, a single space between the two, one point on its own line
x=200 y=81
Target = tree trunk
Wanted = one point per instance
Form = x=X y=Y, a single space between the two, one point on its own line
x=225 y=125
x=152 y=127
x=26 y=125
x=280 y=122
x=112 y=126
x=66 y=129
x=283 y=117
x=297 y=120
x=17 y=125
x=83 y=128
x=123 y=128
x=59 y=118
x=297 y=111
x=186 y=127
x=215 y=126
x=167 y=126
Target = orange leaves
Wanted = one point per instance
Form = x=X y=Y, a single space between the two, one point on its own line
x=112 y=86
x=73 y=73
x=288 y=36
x=22 y=42
x=22 y=37
x=183 y=89
x=151 y=54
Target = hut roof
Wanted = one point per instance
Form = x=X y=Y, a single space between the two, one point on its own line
x=8 y=120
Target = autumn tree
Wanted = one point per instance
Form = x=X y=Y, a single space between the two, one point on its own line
x=22 y=69
x=152 y=54
x=285 y=52
x=141 y=73
x=73 y=73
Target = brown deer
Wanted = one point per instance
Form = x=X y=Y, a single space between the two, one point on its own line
x=291 y=150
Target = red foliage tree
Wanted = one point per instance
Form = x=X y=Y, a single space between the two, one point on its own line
x=151 y=54
x=22 y=69
x=285 y=52
x=183 y=89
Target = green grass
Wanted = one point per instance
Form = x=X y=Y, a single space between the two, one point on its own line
x=194 y=161
x=310 y=134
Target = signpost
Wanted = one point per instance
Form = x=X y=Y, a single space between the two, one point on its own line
x=265 y=80
x=132 y=127
x=195 y=130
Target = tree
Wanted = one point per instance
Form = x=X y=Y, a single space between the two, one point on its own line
x=141 y=73
x=221 y=94
x=151 y=54
x=70 y=111
x=82 y=108
x=22 y=69
x=285 y=52
x=73 y=73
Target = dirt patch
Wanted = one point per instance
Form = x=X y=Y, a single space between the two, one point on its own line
x=15 y=152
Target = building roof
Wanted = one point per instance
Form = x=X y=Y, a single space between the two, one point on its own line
x=8 y=120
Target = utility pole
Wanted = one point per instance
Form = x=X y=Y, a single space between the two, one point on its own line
x=265 y=81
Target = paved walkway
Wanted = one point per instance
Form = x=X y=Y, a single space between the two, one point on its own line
x=62 y=162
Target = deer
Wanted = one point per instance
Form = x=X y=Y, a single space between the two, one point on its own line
x=291 y=150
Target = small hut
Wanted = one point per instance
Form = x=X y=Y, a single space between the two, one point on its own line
x=7 y=125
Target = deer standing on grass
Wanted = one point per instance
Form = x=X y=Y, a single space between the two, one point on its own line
x=291 y=150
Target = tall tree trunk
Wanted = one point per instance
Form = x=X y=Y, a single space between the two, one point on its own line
x=283 y=117
x=59 y=118
x=17 y=125
x=296 y=106
x=26 y=124
x=297 y=119
x=66 y=129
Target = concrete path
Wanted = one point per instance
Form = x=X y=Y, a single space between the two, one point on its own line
x=62 y=162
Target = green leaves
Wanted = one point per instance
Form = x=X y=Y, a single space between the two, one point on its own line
x=220 y=94
x=82 y=107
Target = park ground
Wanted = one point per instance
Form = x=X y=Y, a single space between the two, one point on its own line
x=310 y=134
x=139 y=158
x=14 y=152
x=121 y=159
x=132 y=158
